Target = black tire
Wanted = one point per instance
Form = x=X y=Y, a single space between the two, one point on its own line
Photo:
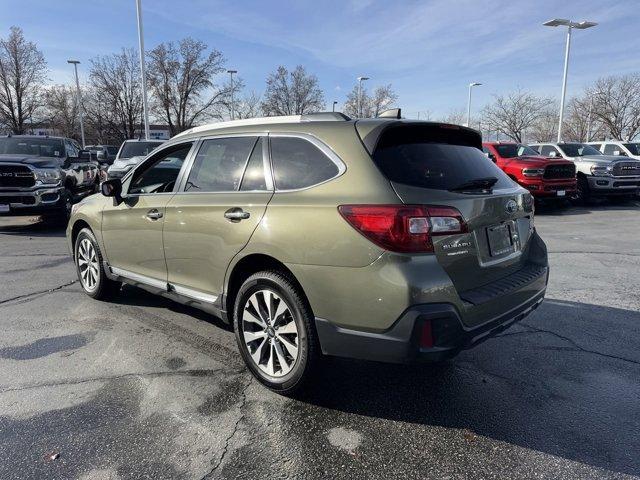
x=583 y=193
x=104 y=288
x=307 y=341
x=61 y=215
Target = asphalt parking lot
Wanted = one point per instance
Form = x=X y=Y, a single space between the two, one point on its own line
x=146 y=388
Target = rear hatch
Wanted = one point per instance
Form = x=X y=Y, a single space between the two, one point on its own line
x=443 y=165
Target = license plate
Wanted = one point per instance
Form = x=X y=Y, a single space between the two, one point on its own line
x=499 y=240
x=4 y=208
x=561 y=193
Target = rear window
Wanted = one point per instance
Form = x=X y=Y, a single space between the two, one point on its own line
x=434 y=157
x=137 y=148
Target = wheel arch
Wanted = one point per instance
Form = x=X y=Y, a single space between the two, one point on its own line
x=78 y=225
x=247 y=266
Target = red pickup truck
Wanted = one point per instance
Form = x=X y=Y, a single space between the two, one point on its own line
x=546 y=178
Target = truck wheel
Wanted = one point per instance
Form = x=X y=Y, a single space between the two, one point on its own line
x=584 y=194
x=275 y=331
x=89 y=265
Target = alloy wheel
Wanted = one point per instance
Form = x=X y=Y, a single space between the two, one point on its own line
x=270 y=333
x=88 y=265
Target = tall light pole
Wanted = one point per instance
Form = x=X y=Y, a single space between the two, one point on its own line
x=471 y=85
x=589 y=120
x=334 y=106
x=231 y=72
x=557 y=22
x=78 y=99
x=143 y=74
x=360 y=80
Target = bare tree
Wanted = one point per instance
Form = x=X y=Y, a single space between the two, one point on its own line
x=545 y=128
x=249 y=106
x=457 y=116
x=616 y=103
x=23 y=71
x=383 y=98
x=61 y=110
x=116 y=96
x=181 y=78
x=514 y=113
x=292 y=93
x=581 y=124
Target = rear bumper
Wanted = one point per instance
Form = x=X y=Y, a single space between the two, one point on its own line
x=402 y=342
x=32 y=202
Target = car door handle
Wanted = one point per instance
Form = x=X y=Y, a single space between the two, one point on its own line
x=154 y=214
x=236 y=214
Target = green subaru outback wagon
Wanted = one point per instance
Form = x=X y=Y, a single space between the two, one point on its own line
x=381 y=239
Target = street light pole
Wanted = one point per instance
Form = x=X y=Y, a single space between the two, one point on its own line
x=143 y=75
x=360 y=80
x=79 y=100
x=471 y=85
x=231 y=72
x=556 y=22
x=589 y=121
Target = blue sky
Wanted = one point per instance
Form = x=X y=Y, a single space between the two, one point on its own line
x=428 y=50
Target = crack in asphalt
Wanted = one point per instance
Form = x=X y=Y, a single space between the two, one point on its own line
x=34 y=294
x=191 y=372
x=229 y=438
x=572 y=342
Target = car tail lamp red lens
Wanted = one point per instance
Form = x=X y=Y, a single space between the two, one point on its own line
x=404 y=228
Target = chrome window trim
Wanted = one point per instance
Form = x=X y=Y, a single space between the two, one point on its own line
x=265 y=158
x=323 y=147
x=159 y=150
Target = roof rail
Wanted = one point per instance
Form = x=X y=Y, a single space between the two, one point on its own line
x=307 y=117
x=324 y=117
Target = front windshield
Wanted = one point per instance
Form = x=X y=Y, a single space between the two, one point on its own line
x=634 y=148
x=136 y=149
x=510 y=150
x=578 y=150
x=35 y=147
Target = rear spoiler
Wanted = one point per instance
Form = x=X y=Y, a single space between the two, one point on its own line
x=371 y=130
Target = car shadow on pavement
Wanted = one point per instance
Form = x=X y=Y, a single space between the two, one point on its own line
x=563 y=382
x=134 y=296
x=32 y=226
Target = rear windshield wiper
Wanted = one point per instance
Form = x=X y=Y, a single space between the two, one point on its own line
x=477 y=184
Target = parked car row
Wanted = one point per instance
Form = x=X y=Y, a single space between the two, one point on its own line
x=46 y=175
x=569 y=169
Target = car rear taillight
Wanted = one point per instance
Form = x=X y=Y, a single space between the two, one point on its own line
x=403 y=228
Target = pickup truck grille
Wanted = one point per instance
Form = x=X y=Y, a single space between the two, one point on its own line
x=626 y=168
x=16 y=176
x=559 y=171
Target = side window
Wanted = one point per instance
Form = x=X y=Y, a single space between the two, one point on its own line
x=549 y=151
x=219 y=164
x=297 y=163
x=253 y=178
x=597 y=146
x=72 y=151
x=159 y=174
x=609 y=148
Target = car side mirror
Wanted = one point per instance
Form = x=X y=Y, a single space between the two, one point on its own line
x=112 y=188
x=492 y=157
